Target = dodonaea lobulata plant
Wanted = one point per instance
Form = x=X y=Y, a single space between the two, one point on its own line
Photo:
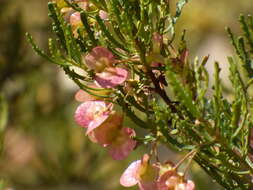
x=129 y=58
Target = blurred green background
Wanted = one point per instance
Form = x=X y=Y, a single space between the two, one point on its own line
x=42 y=148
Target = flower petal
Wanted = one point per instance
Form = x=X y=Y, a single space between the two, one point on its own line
x=99 y=58
x=147 y=174
x=129 y=177
x=100 y=51
x=123 y=145
x=152 y=185
x=91 y=114
x=82 y=96
x=111 y=77
x=92 y=137
x=106 y=133
x=167 y=180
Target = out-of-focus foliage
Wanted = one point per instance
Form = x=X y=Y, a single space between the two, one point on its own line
x=204 y=18
x=43 y=148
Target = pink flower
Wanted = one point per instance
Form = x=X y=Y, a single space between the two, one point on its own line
x=92 y=114
x=116 y=138
x=111 y=77
x=171 y=180
x=99 y=58
x=140 y=172
x=123 y=144
x=107 y=131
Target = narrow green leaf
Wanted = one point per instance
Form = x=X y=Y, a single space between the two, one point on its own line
x=202 y=79
x=239 y=108
x=247 y=30
x=108 y=35
x=243 y=54
x=54 y=51
x=236 y=114
x=180 y=6
x=42 y=53
x=74 y=50
x=57 y=28
x=182 y=93
x=88 y=28
x=173 y=19
x=217 y=98
x=233 y=40
x=131 y=114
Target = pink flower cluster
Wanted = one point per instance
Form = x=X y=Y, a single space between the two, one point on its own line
x=73 y=17
x=104 y=126
x=154 y=176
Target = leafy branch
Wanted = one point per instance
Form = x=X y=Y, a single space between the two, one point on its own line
x=141 y=34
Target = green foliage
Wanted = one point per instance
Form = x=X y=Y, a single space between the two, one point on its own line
x=186 y=118
x=244 y=52
x=182 y=93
